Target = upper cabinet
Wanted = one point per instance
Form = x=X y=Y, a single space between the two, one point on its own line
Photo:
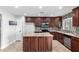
x=55 y=22
x=36 y=20
x=58 y=22
x=75 y=13
x=51 y=21
x=47 y=20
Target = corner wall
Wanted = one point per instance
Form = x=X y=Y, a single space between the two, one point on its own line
x=8 y=33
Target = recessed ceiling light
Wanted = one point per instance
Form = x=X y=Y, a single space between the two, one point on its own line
x=40 y=7
x=60 y=7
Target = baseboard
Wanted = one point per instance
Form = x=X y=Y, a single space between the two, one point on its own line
x=7 y=45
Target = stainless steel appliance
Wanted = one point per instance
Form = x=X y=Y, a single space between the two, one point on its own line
x=67 y=41
x=44 y=27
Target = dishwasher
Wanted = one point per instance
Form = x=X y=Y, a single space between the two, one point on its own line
x=67 y=41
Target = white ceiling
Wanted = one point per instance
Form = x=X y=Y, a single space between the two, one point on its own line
x=35 y=10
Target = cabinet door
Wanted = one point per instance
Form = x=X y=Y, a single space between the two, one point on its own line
x=48 y=19
x=49 y=44
x=26 y=44
x=30 y=44
x=55 y=22
x=75 y=14
x=75 y=44
x=37 y=21
x=54 y=35
x=52 y=22
x=58 y=22
x=60 y=38
x=42 y=45
x=33 y=44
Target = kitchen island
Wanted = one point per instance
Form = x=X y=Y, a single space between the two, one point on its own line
x=37 y=42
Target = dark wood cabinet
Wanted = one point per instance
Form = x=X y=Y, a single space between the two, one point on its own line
x=73 y=41
x=75 y=44
x=46 y=19
x=37 y=44
x=55 y=35
x=58 y=22
x=75 y=14
x=30 y=44
x=55 y=22
x=37 y=21
x=44 y=44
x=60 y=38
x=52 y=21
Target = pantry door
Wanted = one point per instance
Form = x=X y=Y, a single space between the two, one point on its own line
x=19 y=29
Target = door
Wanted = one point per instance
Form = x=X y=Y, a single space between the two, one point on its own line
x=19 y=31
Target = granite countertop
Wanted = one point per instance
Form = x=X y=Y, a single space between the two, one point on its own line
x=45 y=34
x=74 y=34
x=70 y=33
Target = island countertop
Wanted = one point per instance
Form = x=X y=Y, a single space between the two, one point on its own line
x=37 y=42
x=46 y=34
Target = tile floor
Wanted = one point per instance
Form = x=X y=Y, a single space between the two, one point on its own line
x=17 y=47
x=58 y=47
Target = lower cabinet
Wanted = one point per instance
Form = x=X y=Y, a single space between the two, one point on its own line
x=68 y=41
x=75 y=44
x=37 y=44
x=72 y=43
x=55 y=34
x=30 y=44
x=60 y=38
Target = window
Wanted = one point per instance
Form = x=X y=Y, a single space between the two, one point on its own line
x=67 y=24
